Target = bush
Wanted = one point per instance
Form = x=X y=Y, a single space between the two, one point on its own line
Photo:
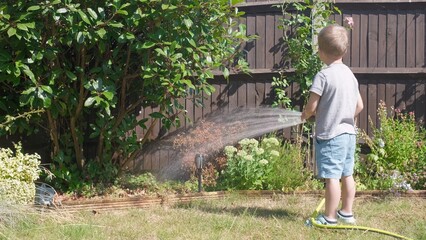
x=18 y=172
x=397 y=159
x=268 y=165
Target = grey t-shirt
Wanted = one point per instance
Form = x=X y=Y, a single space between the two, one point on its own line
x=338 y=88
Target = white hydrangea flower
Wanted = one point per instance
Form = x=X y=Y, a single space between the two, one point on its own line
x=241 y=153
x=230 y=150
x=259 y=151
x=275 y=153
x=263 y=162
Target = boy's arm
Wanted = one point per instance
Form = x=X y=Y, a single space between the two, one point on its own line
x=359 y=106
x=311 y=106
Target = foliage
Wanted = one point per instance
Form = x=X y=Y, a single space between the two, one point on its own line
x=18 y=171
x=301 y=23
x=398 y=153
x=90 y=66
x=268 y=164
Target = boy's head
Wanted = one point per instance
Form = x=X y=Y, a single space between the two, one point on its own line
x=333 y=41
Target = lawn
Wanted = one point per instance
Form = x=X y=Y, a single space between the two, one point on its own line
x=234 y=217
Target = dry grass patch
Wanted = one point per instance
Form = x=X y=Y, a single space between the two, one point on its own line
x=235 y=217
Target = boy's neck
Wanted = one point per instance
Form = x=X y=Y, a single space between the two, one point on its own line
x=329 y=61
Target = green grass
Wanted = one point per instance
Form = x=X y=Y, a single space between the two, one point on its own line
x=236 y=217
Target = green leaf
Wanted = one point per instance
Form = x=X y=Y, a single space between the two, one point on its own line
x=11 y=31
x=46 y=88
x=188 y=23
x=33 y=8
x=156 y=115
x=22 y=26
x=122 y=12
x=108 y=95
x=71 y=75
x=30 y=74
x=62 y=10
x=92 y=13
x=101 y=32
x=80 y=37
x=83 y=16
x=115 y=24
x=89 y=102
x=148 y=45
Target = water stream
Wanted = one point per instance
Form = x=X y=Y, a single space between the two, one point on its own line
x=213 y=133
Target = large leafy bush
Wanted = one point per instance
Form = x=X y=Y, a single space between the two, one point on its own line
x=91 y=66
x=18 y=171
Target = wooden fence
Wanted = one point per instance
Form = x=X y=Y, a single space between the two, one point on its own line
x=387 y=55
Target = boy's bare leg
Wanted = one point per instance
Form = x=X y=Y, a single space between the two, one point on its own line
x=348 y=194
x=332 y=197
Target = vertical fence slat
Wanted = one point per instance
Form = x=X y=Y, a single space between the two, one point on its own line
x=381 y=52
x=363 y=47
x=347 y=57
x=391 y=40
x=242 y=95
x=278 y=41
x=251 y=94
x=260 y=93
x=355 y=41
x=411 y=40
x=372 y=102
x=420 y=107
x=373 y=21
x=260 y=41
x=401 y=40
x=363 y=116
x=251 y=46
x=420 y=38
x=269 y=40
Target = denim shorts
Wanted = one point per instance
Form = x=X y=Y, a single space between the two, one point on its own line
x=335 y=157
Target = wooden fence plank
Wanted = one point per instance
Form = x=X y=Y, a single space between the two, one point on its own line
x=372 y=101
x=411 y=40
x=251 y=46
x=260 y=93
x=347 y=57
x=260 y=41
x=269 y=40
x=363 y=50
x=278 y=51
x=381 y=52
x=420 y=38
x=391 y=40
x=251 y=94
x=355 y=41
x=401 y=40
x=373 y=32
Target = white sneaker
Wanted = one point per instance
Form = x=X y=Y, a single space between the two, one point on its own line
x=346 y=218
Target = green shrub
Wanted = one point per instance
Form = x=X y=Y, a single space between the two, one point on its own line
x=18 y=171
x=397 y=159
x=270 y=164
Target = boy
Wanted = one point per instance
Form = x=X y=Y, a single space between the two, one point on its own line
x=335 y=101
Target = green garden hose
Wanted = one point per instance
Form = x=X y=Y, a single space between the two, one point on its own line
x=312 y=222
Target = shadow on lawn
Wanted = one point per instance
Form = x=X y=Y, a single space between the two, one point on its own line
x=260 y=212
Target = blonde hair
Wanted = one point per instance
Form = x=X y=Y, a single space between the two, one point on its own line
x=333 y=40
